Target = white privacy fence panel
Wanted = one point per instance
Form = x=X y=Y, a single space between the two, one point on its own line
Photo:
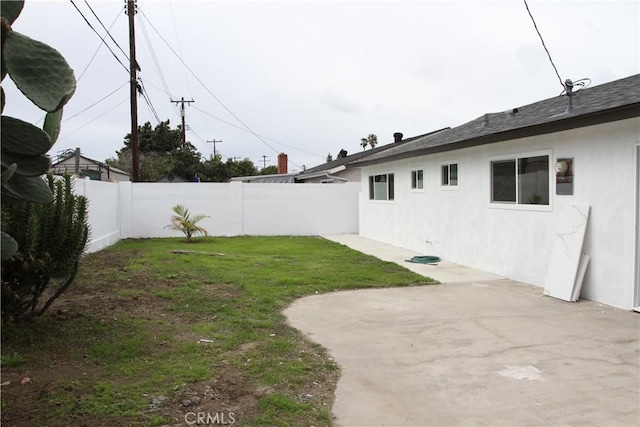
x=300 y=209
x=125 y=209
x=103 y=215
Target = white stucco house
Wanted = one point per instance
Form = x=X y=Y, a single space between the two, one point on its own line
x=489 y=193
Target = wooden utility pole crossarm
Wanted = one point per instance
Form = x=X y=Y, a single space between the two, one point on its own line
x=264 y=161
x=182 y=101
x=214 y=142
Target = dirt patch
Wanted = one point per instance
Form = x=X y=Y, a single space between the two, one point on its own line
x=59 y=374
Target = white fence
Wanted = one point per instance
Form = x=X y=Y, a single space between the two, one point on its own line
x=125 y=209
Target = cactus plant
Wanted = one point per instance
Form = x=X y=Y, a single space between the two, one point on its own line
x=43 y=75
x=52 y=239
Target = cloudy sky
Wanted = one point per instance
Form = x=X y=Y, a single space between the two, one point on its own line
x=313 y=77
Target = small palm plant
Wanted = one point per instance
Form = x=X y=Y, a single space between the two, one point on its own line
x=184 y=222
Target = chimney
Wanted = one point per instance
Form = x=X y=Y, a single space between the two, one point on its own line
x=397 y=137
x=282 y=163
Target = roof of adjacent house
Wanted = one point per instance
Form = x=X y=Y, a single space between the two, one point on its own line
x=288 y=178
x=616 y=100
x=72 y=154
x=342 y=162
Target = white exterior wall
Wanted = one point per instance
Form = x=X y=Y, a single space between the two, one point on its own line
x=139 y=210
x=465 y=228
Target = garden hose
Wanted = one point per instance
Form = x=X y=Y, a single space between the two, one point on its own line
x=424 y=259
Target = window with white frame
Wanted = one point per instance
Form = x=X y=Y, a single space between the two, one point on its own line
x=381 y=187
x=417 y=179
x=520 y=180
x=449 y=175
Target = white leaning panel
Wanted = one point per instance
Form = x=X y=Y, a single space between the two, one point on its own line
x=567 y=252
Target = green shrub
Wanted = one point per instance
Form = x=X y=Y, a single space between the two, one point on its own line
x=51 y=240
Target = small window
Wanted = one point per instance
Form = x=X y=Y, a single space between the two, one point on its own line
x=449 y=175
x=520 y=181
x=381 y=187
x=417 y=179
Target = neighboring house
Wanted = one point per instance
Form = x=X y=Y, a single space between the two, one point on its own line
x=72 y=162
x=286 y=178
x=343 y=169
x=282 y=177
x=489 y=193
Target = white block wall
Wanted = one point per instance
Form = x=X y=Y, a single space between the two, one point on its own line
x=125 y=209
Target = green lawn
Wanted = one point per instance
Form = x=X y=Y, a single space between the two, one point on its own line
x=146 y=336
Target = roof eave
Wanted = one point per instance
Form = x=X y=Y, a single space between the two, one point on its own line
x=321 y=173
x=572 y=122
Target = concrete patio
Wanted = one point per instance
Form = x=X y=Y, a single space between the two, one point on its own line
x=477 y=350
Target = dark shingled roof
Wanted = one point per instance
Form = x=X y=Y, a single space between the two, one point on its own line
x=356 y=156
x=612 y=101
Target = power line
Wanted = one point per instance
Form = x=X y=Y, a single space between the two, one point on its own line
x=206 y=88
x=175 y=28
x=147 y=99
x=98 y=49
x=94 y=119
x=96 y=103
x=245 y=130
x=161 y=90
x=154 y=58
x=544 y=45
x=98 y=34
x=105 y=28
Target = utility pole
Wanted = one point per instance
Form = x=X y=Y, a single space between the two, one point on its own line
x=133 y=83
x=214 y=146
x=182 y=114
x=264 y=162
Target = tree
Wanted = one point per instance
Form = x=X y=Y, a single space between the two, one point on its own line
x=269 y=170
x=42 y=75
x=161 y=139
x=244 y=167
x=371 y=140
x=215 y=170
x=161 y=152
x=329 y=158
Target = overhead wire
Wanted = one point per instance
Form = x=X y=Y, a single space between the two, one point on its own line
x=154 y=58
x=96 y=103
x=98 y=34
x=145 y=95
x=245 y=130
x=210 y=92
x=105 y=28
x=99 y=46
x=175 y=29
x=67 y=134
x=544 y=45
